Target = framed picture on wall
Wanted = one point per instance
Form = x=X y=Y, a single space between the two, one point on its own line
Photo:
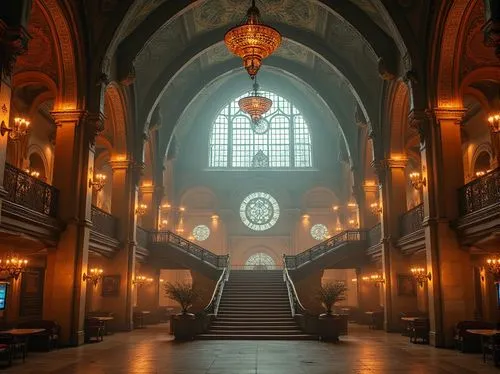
x=110 y=285
x=406 y=285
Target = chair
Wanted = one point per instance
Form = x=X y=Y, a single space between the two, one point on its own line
x=6 y=353
x=94 y=329
x=377 y=320
x=492 y=347
x=45 y=340
x=16 y=346
x=419 y=329
x=467 y=342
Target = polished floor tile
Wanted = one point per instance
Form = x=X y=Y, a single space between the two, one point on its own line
x=152 y=351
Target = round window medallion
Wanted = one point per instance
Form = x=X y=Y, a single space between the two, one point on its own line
x=319 y=232
x=259 y=211
x=201 y=233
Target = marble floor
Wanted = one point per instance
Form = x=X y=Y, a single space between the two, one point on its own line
x=152 y=350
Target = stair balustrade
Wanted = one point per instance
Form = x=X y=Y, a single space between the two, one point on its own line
x=142 y=237
x=30 y=192
x=295 y=261
x=168 y=237
x=213 y=305
x=375 y=235
x=295 y=304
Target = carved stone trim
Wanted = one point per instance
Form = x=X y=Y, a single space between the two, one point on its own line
x=13 y=43
x=455 y=114
x=420 y=120
x=147 y=189
x=120 y=164
x=62 y=116
x=95 y=123
x=491 y=31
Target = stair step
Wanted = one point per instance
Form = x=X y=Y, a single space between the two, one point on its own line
x=233 y=336
x=258 y=332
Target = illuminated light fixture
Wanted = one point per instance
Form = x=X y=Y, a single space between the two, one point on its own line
x=180 y=230
x=252 y=41
x=480 y=173
x=493 y=266
x=306 y=216
x=375 y=208
x=141 y=280
x=352 y=205
x=162 y=280
x=20 y=128
x=164 y=224
x=354 y=280
x=94 y=275
x=98 y=183
x=13 y=265
x=335 y=208
x=353 y=223
x=166 y=206
x=338 y=228
x=494 y=122
x=375 y=278
x=417 y=181
x=255 y=105
x=191 y=238
x=182 y=209
x=215 y=217
x=141 y=209
x=420 y=275
x=32 y=172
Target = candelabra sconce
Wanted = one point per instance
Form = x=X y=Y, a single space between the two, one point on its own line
x=13 y=265
x=98 y=183
x=420 y=275
x=417 y=181
x=94 y=275
x=335 y=208
x=141 y=280
x=20 y=128
x=353 y=224
x=164 y=225
x=33 y=173
x=354 y=280
x=338 y=228
x=376 y=279
x=376 y=208
x=141 y=210
x=494 y=122
x=493 y=267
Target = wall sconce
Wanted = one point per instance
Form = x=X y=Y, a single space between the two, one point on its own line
x=354 y=280
x=142 y=280
x=420 y=275
x=215 y=217
x=494 y=122
x=20 y=128
x=416 y=181
x=141 y=210
x=338 y=228
x=191 y=238
x=335 y=208
x=164 y=225
x=352 y=205
x=166 y=206
x=493 y=266
x=182 y=209
x=98 y=183
x=375 y=208
x=376 y=279
x=353 y=224
x=94 y=275
x=13 y=265
x=32 y=172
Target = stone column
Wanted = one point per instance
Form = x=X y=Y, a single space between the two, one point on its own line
x=148 y=295
x=392 y=178
x=370 y=191
x=64 y=294
x=147 y=196
x=495 y=145
x=450 y=291
x=123 y=203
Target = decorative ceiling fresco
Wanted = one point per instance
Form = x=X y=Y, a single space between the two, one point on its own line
x=177 y=36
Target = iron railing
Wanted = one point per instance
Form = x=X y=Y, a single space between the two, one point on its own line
x=293 y=297
x=480 y=193
x=375 y=235
x=168 y=237
x=292 y=261
x=103 y=222
x=30 y=192
x=213 y=305
x=412 y=221
x=142 y=237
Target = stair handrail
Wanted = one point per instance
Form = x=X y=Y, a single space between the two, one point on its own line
x=293 y=297
x=213 y=305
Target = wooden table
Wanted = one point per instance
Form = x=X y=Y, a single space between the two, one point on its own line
x=21 y=336
x=22 y=332
x=105 y=321
x=484 y=332
x=409 y=319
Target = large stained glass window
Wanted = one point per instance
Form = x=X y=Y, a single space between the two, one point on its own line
x=280 y=140
x=260 y=261
x=259 y=211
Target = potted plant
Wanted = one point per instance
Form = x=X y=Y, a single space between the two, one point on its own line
x=330 y=325
x=184 y=323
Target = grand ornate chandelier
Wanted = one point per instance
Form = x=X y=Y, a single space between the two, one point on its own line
x=255 y=105
x=252 y=41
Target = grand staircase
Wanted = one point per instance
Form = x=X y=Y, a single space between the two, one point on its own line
x=254 y=305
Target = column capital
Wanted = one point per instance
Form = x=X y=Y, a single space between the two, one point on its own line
x=450 y=114
x=14 y=42
x=120 y=164
x=62 y=116
x=147 y=188
x=370 y=186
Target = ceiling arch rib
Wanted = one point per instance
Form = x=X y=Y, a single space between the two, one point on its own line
x=344 y=14
x=364 y=87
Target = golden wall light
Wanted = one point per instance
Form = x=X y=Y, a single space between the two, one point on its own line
x=420 y=275
x=376 y=208
x=252 y=41
x=493 y=267
x=354 y=280
x=215 y=217
x=20 y=128
x=338 y=228
x=494 y=122
x=417 y=181
x=98 y=182
x=164 y=224
x=13 y=265
x=32 y=172
x=166 y=206
x=335 y=208
x=374 y=278
x=142 y=280
x=141 y=209
x=94 y=275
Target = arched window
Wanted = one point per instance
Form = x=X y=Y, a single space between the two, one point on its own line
x=280 y=140
x=260 y=261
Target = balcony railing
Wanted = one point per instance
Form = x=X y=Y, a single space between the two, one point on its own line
x=292 y=262
x=480 y=193
x=167 y=237
x=412 y=221
x=103 y=222
x=30 y=192
x=142 y=237
x=375 y=235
